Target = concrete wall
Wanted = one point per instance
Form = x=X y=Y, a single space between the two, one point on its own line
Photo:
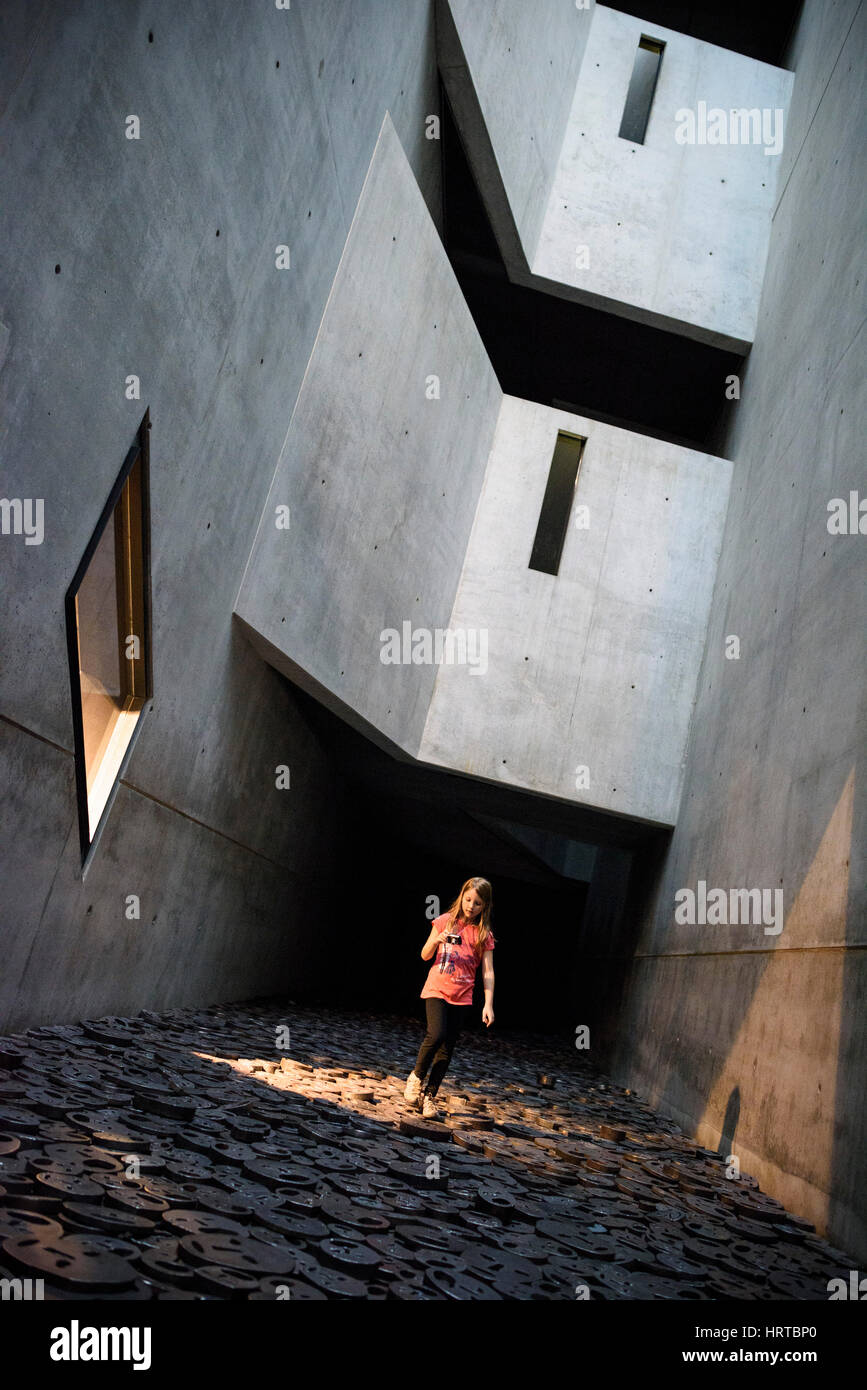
x=266 y=154
x=570 y=858
x=596 y=666
x=381 y=468
x=677 y=232
x=676 y=235
x=731 y=1030
x=510 y=68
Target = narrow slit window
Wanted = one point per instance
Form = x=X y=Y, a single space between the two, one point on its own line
x=108 y=639
x=557 y=503
x=642 y=85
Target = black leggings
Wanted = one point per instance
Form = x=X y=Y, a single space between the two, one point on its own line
x=443 y=1025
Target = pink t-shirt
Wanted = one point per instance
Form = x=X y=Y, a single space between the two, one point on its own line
x=453 y=973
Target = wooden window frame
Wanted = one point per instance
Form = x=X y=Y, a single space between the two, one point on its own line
x=128 y=510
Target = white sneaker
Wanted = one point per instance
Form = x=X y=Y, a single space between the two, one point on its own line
x=429 y=1110
x=413 y=1088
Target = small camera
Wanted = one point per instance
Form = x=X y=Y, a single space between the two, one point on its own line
x=453 y=940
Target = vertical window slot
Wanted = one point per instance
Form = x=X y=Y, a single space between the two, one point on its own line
x=557 y=503
x=642 y=85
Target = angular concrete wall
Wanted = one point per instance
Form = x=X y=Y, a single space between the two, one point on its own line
x=510 y=68
x=596 y=666
x=669 y=234
x=381 y=468
x=421 y=512
x=676 y=235
x=761 y=1038
x=259 y=124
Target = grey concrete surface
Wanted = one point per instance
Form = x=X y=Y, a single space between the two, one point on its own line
x=814 y=52
x=381 y=478
x=668 y=234
x=676 y=234
x=219 y=338
x=213 y=919
x=570 y=858
x=597 y=666
x=422 y=512
x=774 y=790
x=509 y=68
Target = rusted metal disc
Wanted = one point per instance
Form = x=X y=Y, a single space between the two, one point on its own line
x=187 y=1221
x=235 y=1251
x=461 y=1286
x=90 y=1216
x=535 y=1187
x=23 y=1221
x=69 y=1184
x=277 y=1287
x=77 y=1261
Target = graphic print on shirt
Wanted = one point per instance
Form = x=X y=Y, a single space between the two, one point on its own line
x=453 y=957
x=453 y=970
x=447 y=963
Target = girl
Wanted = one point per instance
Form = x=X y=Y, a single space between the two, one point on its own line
x=461 y=939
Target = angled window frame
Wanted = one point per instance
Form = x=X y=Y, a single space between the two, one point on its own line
x=127 y=510
x=558 y=500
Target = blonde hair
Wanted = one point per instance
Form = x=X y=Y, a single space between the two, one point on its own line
x=483 y=922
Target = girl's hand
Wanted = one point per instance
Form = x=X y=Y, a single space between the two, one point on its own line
x=487 y=1015
x=436 y=940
